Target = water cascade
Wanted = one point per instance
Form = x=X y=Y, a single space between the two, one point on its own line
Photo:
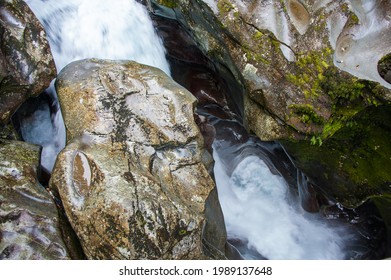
x=269 y=219
x=119 y=29
x=262 y=212
x=271 y=211
x=80 y=29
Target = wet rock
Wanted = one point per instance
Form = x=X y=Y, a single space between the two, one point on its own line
x=364 y=40
x=200 y=38
x=299 y=15
x=208 y=80
x=354 y=164
x=296 y=59
x=291 y=53
x=384 y=68
x=131 y=178
x=29 y=223
x=7 y=131
x=383 y=204
x=369 y=222
x=26 y=63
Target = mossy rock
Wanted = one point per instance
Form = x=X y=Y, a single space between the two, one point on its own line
x=383 y=204
x=354 y=163
x=168 y=3
x=384 y=68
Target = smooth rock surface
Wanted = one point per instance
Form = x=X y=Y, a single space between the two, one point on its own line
x=131 y=177
x=291 y=53
x=29 y=223
x=26 y=63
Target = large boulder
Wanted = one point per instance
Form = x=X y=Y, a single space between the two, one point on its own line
x=133 y=176
x=29 y=222
x=26 y=63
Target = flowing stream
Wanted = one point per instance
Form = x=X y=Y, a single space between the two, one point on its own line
x=258 y=207
x=119 y=29
x=79 y=29
x=267 y=217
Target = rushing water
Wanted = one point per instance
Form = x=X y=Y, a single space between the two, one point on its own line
x=259 y=209
x=117 y=29
x=267 y=217
x=79 y=29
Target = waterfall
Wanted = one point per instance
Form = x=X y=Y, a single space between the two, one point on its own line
x=78 y=29
x=117 y=29
x=260 y=212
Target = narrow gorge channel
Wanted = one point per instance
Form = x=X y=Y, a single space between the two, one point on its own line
x=270 y=210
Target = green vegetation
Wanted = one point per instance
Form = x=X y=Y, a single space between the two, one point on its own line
x=168 y=3
x=348 y=95
x=311 y=67
x=384 y=67
x=306 y=113
x=353 y=164
x=224 y=6
x=343 y=89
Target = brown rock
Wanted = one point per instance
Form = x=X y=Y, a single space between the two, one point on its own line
x=29 y=223
x=131 y=177
x=26 y=63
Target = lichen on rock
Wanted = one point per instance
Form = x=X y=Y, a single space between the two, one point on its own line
x=286 y=51
x=131 y=176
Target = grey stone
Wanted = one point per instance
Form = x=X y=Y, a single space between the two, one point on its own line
x=131 y=178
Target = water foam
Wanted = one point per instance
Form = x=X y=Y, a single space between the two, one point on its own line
x=258 y=210
x=119 y=29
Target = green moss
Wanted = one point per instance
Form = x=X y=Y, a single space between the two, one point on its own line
x=345 y=8
x=354 y=19
x=168 y=3
x=224 y=6
x=258 y=35
x=255 y=56
x=306 y=113
x=353 y=163
x=310 y=68
x=263 y=42
x=316 y=76
x=384 y=67
x=385 y=58
x=283 y=6
x=341 y=88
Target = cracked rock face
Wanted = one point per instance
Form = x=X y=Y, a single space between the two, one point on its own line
x=26 y=63
x=131 y=177
x=290 y=53
x=29 y=223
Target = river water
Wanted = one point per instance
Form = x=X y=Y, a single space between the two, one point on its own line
x=263 y=216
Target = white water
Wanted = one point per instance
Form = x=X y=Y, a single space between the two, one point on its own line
x=116 y=29
x=254 y=201
x=78 y=29
x=46 y=129
x=258 y=210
